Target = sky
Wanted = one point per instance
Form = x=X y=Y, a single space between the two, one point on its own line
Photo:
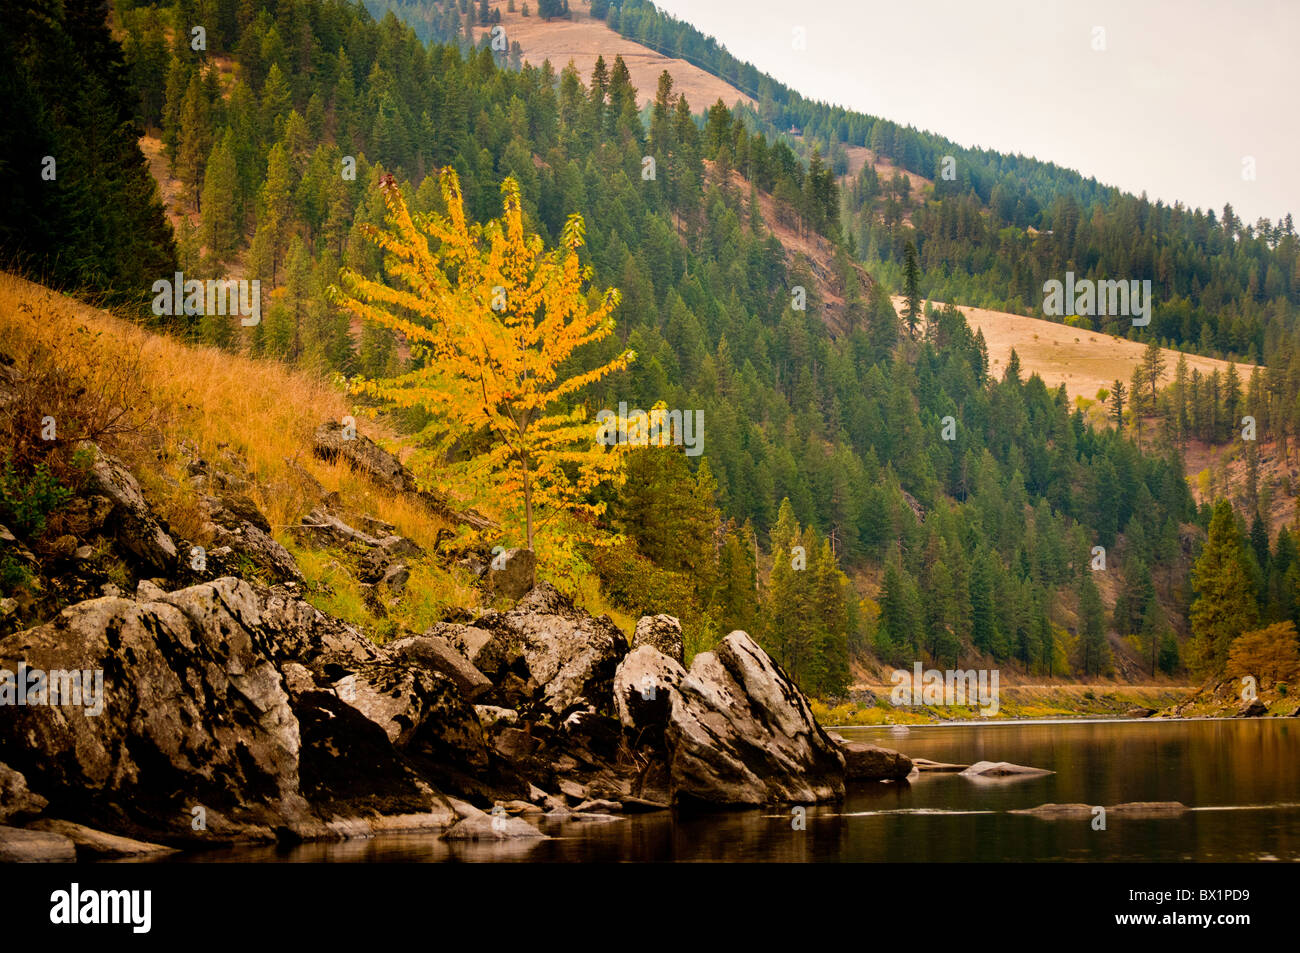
x=1182 y=99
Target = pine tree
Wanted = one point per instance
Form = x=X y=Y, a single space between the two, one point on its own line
x=222 y=214
x=1092 y=628
x=1225 y=602
x=911 y=288
x=1117 y=393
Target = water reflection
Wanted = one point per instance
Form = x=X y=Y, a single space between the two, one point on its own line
x=1241 y=778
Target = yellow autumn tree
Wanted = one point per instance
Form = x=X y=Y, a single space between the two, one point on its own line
x=490 y=316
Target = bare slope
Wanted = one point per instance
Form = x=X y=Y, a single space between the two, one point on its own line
x=1085 y=361
x=583 y=38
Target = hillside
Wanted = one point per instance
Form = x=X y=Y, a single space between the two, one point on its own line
x=582 y=38
x=1084 y=361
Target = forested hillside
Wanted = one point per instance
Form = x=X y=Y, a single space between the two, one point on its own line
x=875 y=492
x=996 y=226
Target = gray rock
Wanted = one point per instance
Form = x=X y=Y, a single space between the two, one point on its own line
x=1055 y=811
x=439 y=654
x=395 y=578
x=21 y=846
x=740 y=732
x=598 y=806
x=644 y=684
x=1252 y=709
x=1139 y=712
x=333 y=441
x=146 y=591
x=131 y=520
x=663 y=632
x=1147 y=809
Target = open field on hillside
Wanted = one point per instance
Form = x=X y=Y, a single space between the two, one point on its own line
x=583 y=38
x=1085 y=361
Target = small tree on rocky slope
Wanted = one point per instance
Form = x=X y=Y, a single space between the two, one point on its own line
x=491 y=318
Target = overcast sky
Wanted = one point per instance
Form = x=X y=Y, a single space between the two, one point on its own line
x=1183 y=91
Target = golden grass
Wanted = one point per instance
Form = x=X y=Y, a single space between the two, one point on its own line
x=212 y=400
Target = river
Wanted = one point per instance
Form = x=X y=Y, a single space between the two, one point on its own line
x=1239 y=777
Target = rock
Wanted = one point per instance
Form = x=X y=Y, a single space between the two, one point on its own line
x=1139 y=712
x=193 y=713
x=598 y=806
x=1055 y=811
x=644 y=684
x=396 y=578
x=490 y=716
x=1252 y=709
x=548 y=659
x=1002 y=769
x=1147 y=809
x=864 y=762
x=572 y=789
x=93 y=843
x=21 y=846
x=333 y=441
x=438 y=654
x=637 y=805
x=924 y=765
x=740 y=732
x=131 y=520
x=512 y=573
x=469 y=640
x=146 y=591
x=514 y=744
x=521 y=807
x=492 y=827
x=664 y=633
x=257 y=546
x=349 y=769
x=16 y=801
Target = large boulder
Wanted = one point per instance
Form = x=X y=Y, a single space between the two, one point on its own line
x=241 y=706
x=740 y=732
x=664 y=633
x=192 y=713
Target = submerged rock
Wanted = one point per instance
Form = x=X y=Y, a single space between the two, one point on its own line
x=1002 y=769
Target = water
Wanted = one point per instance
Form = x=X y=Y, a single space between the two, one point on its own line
x=1240 y=777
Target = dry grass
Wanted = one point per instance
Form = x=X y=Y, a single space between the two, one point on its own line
x=210 y=400
x=583 y=38
x=1085 y=361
